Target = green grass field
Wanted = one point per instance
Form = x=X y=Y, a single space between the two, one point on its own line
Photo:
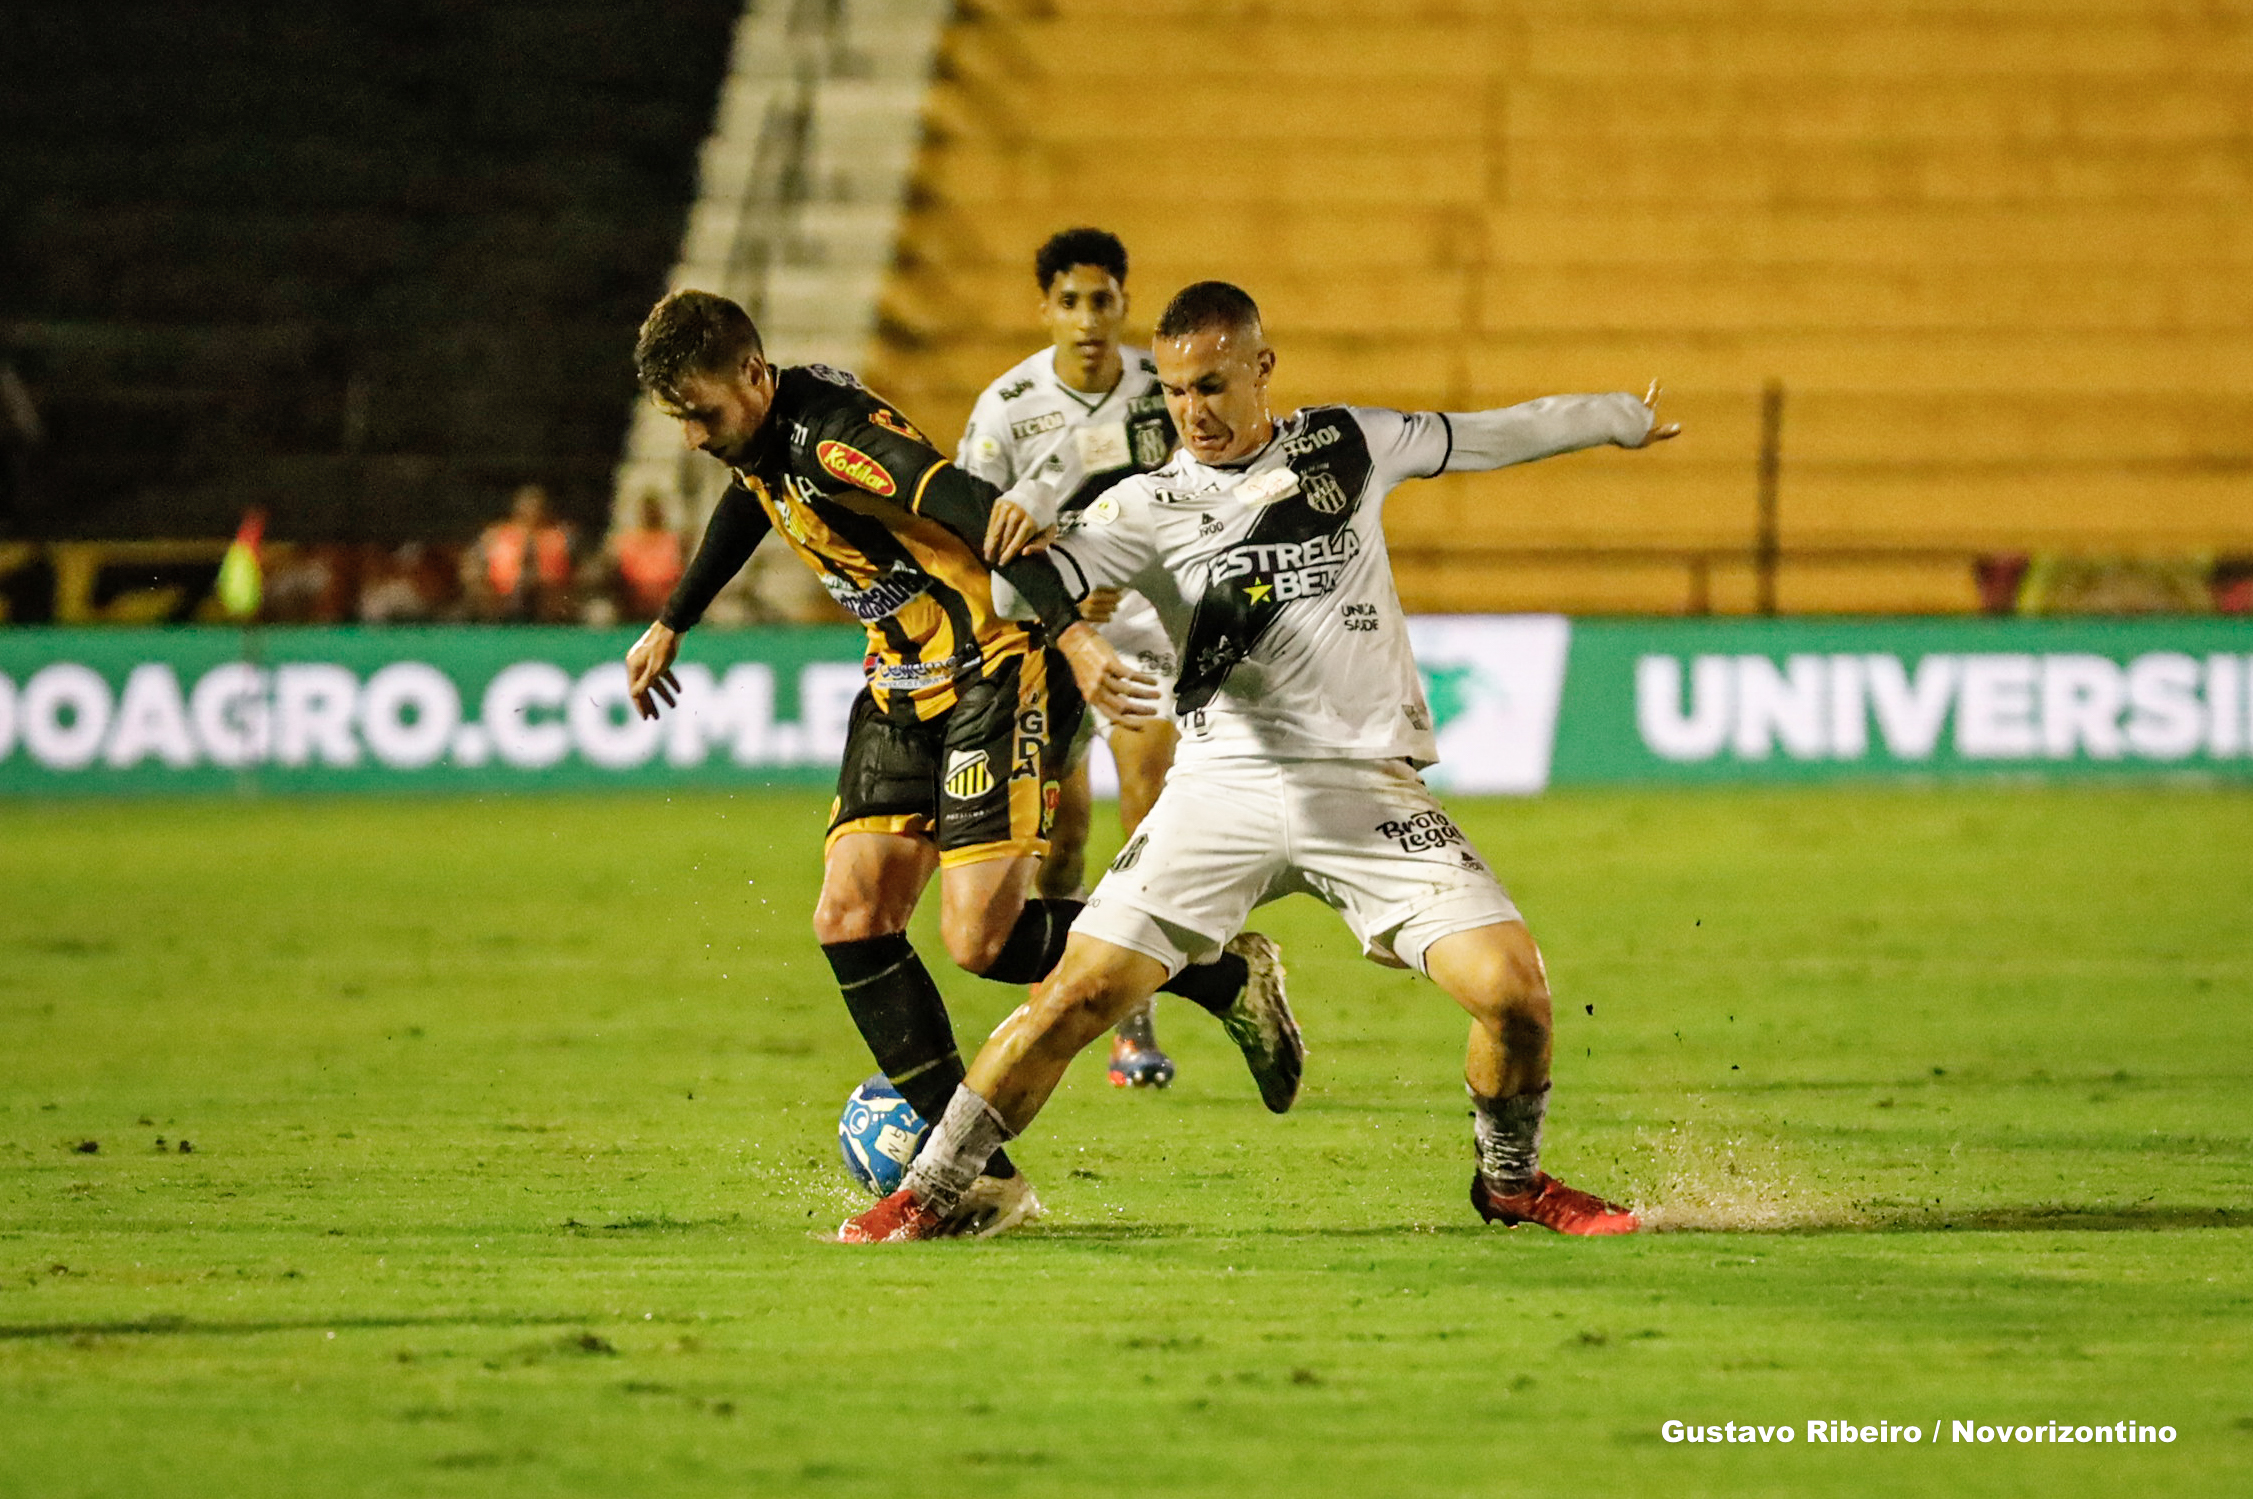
x=479 y=1147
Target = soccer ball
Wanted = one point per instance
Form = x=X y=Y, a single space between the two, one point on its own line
x=879 y=1134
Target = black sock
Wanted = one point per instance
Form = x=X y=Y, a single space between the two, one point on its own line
x=903 y=1018
x=1210 y=986
x=1035 y=942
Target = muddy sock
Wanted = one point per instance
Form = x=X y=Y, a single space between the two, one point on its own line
x=1508 y=1134
x=969 y=1132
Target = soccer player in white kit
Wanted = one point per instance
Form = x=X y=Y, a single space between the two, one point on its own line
x=1304 y=724
x=1099 y=396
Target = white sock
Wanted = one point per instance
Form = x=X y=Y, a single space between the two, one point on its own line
x=964 y=1138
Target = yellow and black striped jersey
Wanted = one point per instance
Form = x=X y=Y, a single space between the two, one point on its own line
x=845 y=480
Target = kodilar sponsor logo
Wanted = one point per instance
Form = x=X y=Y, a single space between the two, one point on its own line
x=855 y=467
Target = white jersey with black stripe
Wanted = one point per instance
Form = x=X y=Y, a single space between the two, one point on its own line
x=1331 y=675
x=1030 y=413
x=1272 y=578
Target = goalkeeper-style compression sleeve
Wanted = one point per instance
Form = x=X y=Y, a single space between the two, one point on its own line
x=737 y=527
x=1543 y=429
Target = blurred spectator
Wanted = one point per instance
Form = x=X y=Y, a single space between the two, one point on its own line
x=302 y=585
x=2233 y=585
x=638 y=568
x=520 y=568
x=1997 y=577
x=411 y=585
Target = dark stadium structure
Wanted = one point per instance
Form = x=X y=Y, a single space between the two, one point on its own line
x=367 y=266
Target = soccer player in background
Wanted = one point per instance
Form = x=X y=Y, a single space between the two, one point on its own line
x=1088 y=389
x=1303 y=726
x=954 y=746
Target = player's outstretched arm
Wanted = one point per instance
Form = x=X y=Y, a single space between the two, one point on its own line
x=966 y=506
x=1012 y=532
x=1024 y=517
x=737 y=527
x=1544 y=428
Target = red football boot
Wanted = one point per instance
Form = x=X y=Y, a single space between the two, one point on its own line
x=898 y=1219
x=1552 y=1204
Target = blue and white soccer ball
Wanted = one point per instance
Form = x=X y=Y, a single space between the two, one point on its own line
x=879 y=1133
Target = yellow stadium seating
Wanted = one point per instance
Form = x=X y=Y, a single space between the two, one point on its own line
x=1998 y=254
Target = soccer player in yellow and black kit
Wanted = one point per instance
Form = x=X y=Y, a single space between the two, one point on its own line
x=955 y=747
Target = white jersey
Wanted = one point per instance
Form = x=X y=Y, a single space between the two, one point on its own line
x=1273 y=581
x=1028 y=412
x=1026 y=419
x=1331 y=675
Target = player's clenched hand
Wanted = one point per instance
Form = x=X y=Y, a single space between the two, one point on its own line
x=1011 y=533
x=1100 y=604
x=1124 y=695
x=1660 y=431
x=649 y=670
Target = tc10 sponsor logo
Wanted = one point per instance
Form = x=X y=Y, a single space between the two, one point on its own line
x=2160 y=706
x=409 y=716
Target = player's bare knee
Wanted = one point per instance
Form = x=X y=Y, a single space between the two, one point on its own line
x=1522 y=1000
x=974 y=941
x=837 y=920
x=1505 y=987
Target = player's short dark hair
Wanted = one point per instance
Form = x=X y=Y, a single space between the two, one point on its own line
x=1208 y=304
x=692 y=333
x=1096 y=247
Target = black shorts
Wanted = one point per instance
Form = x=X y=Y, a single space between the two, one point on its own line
x=980 y=780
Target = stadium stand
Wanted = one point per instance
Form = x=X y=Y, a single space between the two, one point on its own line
x=1994 y=254
x=798 y=199
x=367 y=266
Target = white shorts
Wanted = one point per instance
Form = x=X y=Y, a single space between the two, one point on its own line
x=1364 y=836
x=1137 y=634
